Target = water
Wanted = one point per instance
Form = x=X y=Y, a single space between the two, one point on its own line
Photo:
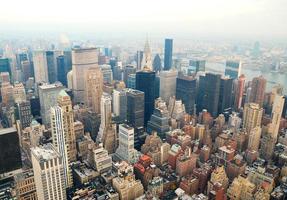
x=272 y=78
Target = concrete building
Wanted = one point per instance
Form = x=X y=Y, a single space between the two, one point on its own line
x=238 y=92
x=7 y=94
x=120 y=104
x=252 y=116
x=82 y=59
x=48 y=173
x=19 y=92
x=25 y=186
x=40 y=67
x=100 y=159
x=125 y=150
x=258 y=87
x=167 y=84
x=93 y=82
x=24 y=113
x=48 y=94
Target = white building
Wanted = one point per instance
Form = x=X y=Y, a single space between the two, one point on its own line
x=167 y=84
x=48 y=173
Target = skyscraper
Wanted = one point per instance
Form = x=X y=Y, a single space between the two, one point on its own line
x=63 y=134
x=146 y=61
x=10 y=157
x=136 y=108
x=139 y=58
x=276 y=114
x=82 y=60
x=107 y=131
x=209 y=88
x=258 y=86
x=24 y=113
x=225 y=97
x=48 y=94
x=186 y=91
x=238 y=91
x=252 y=116
x=168 y=46
x=198 y=64
x=126 y=150
x=48 y=173
x=40 y=67
x=167 y=84
x=51 y=57
x=145 y=82
x=156 y=64
x=93 y=88
x=5 y=65
x=120 y=104
x=19 y=93
x=233 y=69
x=62 y=73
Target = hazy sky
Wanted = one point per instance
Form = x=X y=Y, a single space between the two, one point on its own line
x=238 y=18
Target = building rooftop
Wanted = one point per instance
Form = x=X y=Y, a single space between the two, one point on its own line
x=7 y=130
x=45 y=153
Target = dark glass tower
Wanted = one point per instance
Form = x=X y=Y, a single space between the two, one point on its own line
x=5 y=65
x=233 y=69
x=225 y=95
x=168 y=54
x=135 y=108
x=146 y=82
x=208 y=93
x=186 y=91
x=62 y=74
x=52 y=75
x=156 y=63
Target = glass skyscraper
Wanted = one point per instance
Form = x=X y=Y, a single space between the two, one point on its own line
x=168 y=54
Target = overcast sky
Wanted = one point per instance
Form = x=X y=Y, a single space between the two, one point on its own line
x=238 y=18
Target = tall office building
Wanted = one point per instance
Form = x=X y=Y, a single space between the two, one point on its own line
x=146 y=61
x=209 y=88
x=5 y=65
x=126 y=150
x=258 y=86
x=198 y=64
x=26 y=70
x=233 y=69
x=139 y=58
x=120 y=104
x=145 y=82
x=101 y=160
x=225 y=97
x=48 y=173
x=128 y=70
x=93 y=88
x=136 y=108
x=48 y=94
x=276 y=114
x=167 y=84
x=40 y=66
x=252 y=116
x=7 y=94
x=107 y=73
x=168 y=45
x=62 y=73
x=156 y=64
x=63 y=134
x=51 y=57
x=24 y=113
x=82 y=60
x=254 y=139
x=239 y=85
x=107 y=131
x=10 y=157
x=186 y=91
x=19 y=93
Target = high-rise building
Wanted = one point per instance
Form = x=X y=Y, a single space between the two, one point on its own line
x=120 y=104
x=107 y=73
x=209 y=89
x=63 y=134
x=159 y=121
x=51 y=57
x=167 y=84
x=276 y=114
x=101 y=160
x=107 y=131
x=233 y=69
x=135 y=108
x=131 y=81
x=252 y=116
x=186 y=91
x=238 y=91
x=93 y=88
x=82 y=60
x=254 y=139
x=198 y=64
x=7 y=94
x=128 y=70
x=125 y=150
x=25 y=185
x=62 y=73
x=48 y=173
x=5 y=65
x=24 y=113
x=156 y=64
x=146 y=60
x=26 y=70
x=168 y=45
x=139 y=58
x=145 y=82
x=48 y=94
x=225 y=97
x=258 y=86
x=10 y=157
x=19 y=92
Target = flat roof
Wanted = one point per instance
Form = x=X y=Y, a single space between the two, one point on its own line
x=7 y=130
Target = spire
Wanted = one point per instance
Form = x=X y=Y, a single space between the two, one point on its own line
x=146 y=61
